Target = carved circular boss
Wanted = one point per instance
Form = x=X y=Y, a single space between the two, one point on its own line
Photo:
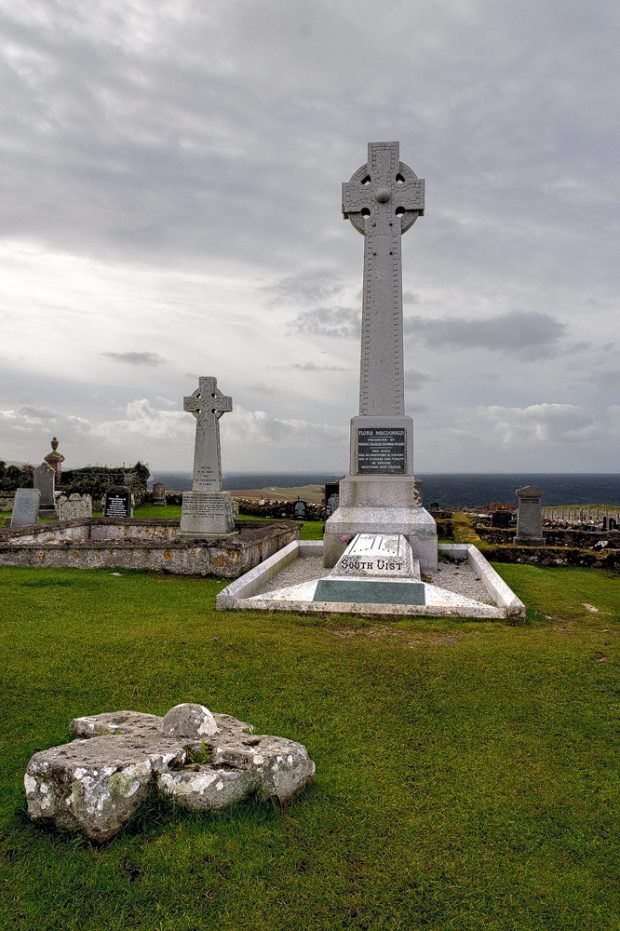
x=388 y=192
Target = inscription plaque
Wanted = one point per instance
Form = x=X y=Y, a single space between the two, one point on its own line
x=117 y=502
x=381 y=450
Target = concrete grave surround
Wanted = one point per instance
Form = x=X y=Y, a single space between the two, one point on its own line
x=25 y=507
x=207 y=510
x=201 y=761
x=43 y=478
x=260 y=590
x=529 y=516
x=382 y=200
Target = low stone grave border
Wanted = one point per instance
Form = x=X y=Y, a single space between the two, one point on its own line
x=152 y=545
x=239 y=595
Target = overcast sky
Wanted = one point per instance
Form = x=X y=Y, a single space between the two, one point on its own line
x=171 y=201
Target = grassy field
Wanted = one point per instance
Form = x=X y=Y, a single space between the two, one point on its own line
x=467 y=773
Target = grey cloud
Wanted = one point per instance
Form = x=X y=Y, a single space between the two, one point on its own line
x=337 y=322
x=528 y=334
x=311 y=367
x=307 y=287
x=414 y=380
x=136 y=358
x=410 y=298
x=609 y=380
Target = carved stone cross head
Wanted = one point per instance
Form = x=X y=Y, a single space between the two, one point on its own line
x=384 y=195
x=207 y=400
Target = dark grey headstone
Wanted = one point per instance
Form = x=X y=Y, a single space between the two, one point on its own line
x=117 y=502
x=25 y=507
x=332 y=498
x=501 y=518
x=300 y=510
x=44 y=478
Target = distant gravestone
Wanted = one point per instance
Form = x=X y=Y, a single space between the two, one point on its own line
x=501 y=519
x=300 y=510
x=159 y=494
x=43 y=478
x=529 y=516
x=332 y=497
x=74 y=507
x=207 y=510
x=612 y=524
x=25 y=507
x=117 y=502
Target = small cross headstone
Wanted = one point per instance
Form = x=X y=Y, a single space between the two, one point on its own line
x=207 y=510
x=529 y=516
x=25 y=507
x=117 y=502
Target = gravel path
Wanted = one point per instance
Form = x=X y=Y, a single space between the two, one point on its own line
x=455 y=577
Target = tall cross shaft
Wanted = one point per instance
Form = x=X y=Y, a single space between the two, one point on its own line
x=382 y=200
x=207 y=404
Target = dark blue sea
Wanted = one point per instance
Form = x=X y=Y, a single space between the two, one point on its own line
x=458 y=489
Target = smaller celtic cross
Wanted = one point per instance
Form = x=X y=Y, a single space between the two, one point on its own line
x=207 y=404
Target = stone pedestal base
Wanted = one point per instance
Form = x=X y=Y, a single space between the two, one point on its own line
x=205 y=514
x=381 y=504
x=528 y=541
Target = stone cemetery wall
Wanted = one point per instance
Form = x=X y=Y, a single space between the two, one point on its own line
x=97 y=543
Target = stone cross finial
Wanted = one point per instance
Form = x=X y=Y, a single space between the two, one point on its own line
x=382 y=200
x=207 y=404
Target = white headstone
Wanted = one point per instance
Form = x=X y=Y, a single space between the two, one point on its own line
x=378 y=555
x=25 y=507
x=206 y=509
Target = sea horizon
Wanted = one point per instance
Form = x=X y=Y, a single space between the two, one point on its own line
x=447 y=489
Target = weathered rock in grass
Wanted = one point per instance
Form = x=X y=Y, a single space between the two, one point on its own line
x=116 y=722
x=189 y=720
x=95 y=784
x=205 y=788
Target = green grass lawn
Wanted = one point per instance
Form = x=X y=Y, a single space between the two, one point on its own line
x=467 y=773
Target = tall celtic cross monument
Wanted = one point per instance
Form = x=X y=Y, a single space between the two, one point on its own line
x=206 y=509
x=382 y=200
